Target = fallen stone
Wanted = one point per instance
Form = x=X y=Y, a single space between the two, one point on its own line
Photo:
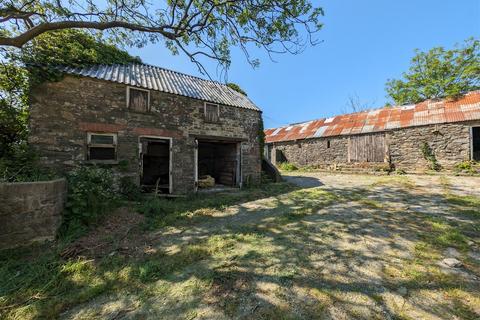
x=474 y=255
x=452 y=253
x=402 y=291
x=452 y=262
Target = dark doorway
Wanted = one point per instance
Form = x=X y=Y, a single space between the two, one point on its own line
x=476 y=143
x=280 y=156
x=220 y=161
x=155 y=164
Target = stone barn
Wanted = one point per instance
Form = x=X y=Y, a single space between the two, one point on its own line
x=387 y=138
x=164 y=129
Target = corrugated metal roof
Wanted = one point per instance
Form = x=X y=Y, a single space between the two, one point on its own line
x=424 y=113
x=160 y=79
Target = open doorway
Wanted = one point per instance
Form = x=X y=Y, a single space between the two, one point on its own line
x=476 y=143
x=218 y=164
x=155 y=164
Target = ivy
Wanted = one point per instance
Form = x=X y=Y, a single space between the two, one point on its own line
x=429 y=155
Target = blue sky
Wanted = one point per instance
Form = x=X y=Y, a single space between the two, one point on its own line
x=364 y=44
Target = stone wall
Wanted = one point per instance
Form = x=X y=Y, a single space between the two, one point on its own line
x=30 y=211
x=63 y=112
x=451 y=144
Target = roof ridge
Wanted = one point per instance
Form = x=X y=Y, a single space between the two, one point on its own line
x=171 y=70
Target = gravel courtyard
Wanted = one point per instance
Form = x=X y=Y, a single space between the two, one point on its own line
x=335 y=247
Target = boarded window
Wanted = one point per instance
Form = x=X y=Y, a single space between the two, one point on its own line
x=138 y=100
x=212 y=112
x=367 y=148
x=102 y=146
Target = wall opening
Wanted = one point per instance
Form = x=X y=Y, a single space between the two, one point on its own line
x=155 y=162
x=280 y=156
x=476 y=143
x=220 y=161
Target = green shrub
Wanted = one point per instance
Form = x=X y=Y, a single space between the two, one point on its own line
x=468 y=166
x=287 y=166
x=154 y=207
x=20 y=164
x=91 y=194
x=129 y=189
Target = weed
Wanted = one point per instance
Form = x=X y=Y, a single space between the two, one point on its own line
x=129 y=189
x=468 y=166
x=287 y=166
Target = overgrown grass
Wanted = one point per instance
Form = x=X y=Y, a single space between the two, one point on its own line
x=287 y=166
x=38 y=283
x=162 y=212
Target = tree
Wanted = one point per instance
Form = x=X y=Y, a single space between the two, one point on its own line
x=354 y=105
x=198 y=28
x=21 y=69
x=438 y=73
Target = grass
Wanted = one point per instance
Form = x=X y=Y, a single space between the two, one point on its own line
x=162 y=212
x=304 y=255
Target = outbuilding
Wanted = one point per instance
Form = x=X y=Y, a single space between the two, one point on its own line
x=160 y=127
x=405 y=137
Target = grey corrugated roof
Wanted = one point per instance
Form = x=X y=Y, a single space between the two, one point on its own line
x=160 y=79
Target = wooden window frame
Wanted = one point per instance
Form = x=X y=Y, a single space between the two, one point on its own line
x=139 y=89
x=99 y=145
x=205 y=112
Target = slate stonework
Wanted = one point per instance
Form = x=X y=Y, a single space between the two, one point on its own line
x=451 y=144
x=63 y=112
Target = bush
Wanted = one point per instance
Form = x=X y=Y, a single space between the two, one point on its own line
x=468 y=166
x=287 y=166
x=91 y=193
x=20 y=164
x=129 y=189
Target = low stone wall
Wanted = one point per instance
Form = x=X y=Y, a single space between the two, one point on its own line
x=30 y=211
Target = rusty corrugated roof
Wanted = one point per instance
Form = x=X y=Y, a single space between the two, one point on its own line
x=423 y=113
x=160 y=79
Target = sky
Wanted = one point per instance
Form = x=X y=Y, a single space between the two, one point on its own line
x=363 y=44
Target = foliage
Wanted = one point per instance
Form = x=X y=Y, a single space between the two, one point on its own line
x=20 y=69
x=261 y=138
x=469 y=166
x=236 y=87
x=439 y=73
x=429 y=155
x=287 y=166
x=199 y=29
x=91 y=194
x=68 y=48
x=129 y=189
x=20 y=164
x=13 y=106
